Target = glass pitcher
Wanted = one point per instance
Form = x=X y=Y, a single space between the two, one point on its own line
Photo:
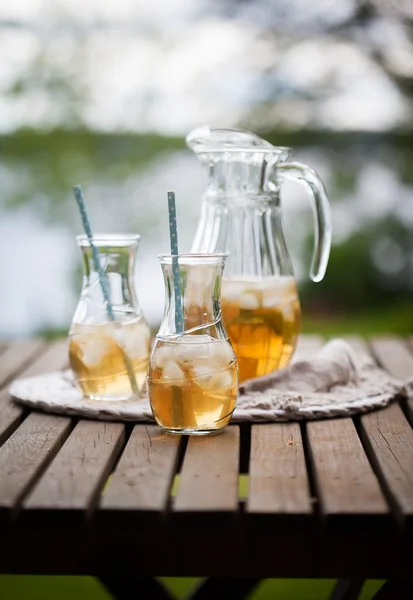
x=241 y=215
x=193 y=375
x=109 y=352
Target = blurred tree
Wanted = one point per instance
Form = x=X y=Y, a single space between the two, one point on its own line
x=379 y=30
x=372 y=269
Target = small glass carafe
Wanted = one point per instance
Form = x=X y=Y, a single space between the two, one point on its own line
x=109 y=350
x=193 y=375
x=241 y=214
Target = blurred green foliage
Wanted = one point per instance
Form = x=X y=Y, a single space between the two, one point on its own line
x=356 y=282
x=369 y=282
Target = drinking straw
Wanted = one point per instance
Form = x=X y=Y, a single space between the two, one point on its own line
x=77 y=190
x=173 y=234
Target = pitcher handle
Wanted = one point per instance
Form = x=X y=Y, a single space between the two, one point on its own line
x=321 y=211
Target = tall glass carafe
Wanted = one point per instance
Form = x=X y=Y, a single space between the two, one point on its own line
x=109 y=356
x=193 y=375
x=241 y=214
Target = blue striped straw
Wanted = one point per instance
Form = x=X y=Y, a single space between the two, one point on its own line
x=77 y=190
x=173 y=233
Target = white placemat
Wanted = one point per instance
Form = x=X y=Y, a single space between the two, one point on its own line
x=335 y=382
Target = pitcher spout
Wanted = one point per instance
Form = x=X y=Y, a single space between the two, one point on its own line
x=238 y=161
x=205 y=139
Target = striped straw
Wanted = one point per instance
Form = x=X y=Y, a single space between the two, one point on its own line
x=77 y=190
x=173 y=233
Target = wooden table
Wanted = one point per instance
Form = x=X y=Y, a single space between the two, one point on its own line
x=326 y=499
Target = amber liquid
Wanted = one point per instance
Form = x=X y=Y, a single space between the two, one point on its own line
x=263 y=320
x=97 y=357
x=193 y=384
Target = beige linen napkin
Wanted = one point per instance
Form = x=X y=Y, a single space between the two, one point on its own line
x=336 y=381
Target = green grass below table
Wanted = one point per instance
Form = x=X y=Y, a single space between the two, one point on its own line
x=28 y=587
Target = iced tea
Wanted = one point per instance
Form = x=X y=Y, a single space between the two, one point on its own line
x=97 y=358
x=193 y=381
x=262 y=319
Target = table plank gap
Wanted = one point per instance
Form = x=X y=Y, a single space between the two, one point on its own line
x=26 y=453
x=209 y=477
x=143 y=477
x=245 y=448
x=53 y=358
x=278 y=480
x=347 y=486
x=75 y=477
x=396 y=355
x=18 y=355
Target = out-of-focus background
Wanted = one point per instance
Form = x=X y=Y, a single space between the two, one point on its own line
x=103 y=93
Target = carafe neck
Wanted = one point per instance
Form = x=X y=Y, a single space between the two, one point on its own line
x=200 y=286
x=116 y=256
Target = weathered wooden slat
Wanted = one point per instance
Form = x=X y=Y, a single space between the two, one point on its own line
x=307 y=345
x=143 y=477
x=25 y=454
x=53 y=359
x=388 y=438
x=278 y=481
x=386 y=435
x=346 y=483
x=16 y=356
x=74 y=478
x=396 y=356
x=209 y=476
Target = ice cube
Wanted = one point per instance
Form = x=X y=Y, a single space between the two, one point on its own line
x=194 y=339
x=249 y=301
x=279 y=290
x=212 y=381
x=92 y=350
x=202 y=371
x=233 y=289
x=221 y=354
x=137 y=343
x=271 y=299
x=192 y=348
x=162 y=355
x=133 y=338
x=287 y=309
x=172 y=371
x=221 y=381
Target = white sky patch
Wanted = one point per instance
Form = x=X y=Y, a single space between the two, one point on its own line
x=167 y=66
x=34 y=279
